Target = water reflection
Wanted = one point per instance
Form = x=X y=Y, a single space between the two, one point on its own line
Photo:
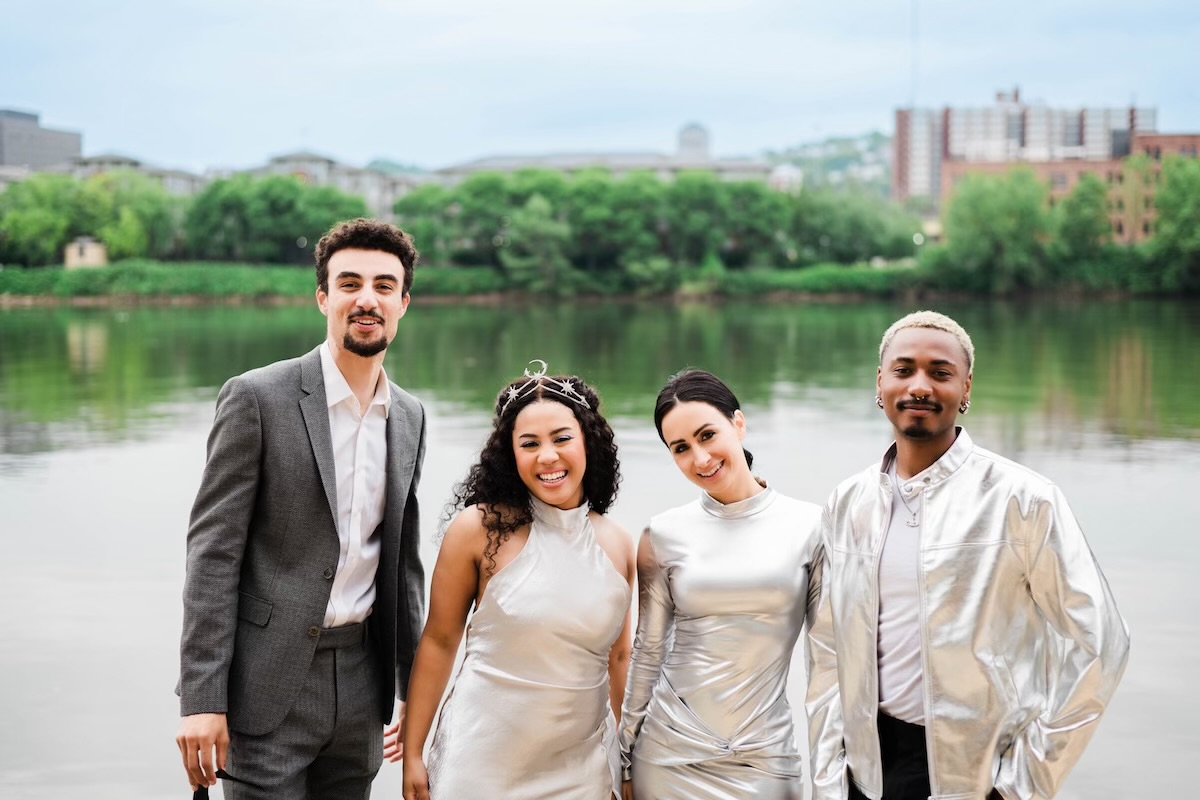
x=70 y=376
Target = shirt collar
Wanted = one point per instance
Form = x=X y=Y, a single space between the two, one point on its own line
x=337 y=390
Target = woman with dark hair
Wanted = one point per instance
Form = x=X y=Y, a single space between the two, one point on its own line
x=723 y=585
x=548 y=641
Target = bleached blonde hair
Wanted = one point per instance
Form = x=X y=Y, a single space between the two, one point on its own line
x=936 y=321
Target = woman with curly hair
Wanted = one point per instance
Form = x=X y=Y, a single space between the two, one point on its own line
x=548 y=641
x=723 y=585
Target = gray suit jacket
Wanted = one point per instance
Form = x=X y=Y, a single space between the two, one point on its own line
x=262 y=548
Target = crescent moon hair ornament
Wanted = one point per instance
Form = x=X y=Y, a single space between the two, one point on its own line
x=564 y=388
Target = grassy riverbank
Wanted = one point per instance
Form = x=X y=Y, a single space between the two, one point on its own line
x=154 y=281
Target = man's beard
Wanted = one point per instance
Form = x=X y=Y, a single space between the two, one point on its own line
x=918 y=432
x=364 y=349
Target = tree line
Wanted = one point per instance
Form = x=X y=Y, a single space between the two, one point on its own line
x=546 y=230
x=271 y=220
x=540 y=230
x=1003 y=235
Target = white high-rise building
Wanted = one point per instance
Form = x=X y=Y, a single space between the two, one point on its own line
x=1010 y=130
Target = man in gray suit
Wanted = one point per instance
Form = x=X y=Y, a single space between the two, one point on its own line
x=304 y=594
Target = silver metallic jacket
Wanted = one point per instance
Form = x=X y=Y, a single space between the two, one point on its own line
x=1022 y=643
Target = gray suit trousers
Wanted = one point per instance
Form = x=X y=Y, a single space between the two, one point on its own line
x=330 y=745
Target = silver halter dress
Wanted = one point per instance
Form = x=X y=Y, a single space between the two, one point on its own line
x=722 y=603
x=528 y=717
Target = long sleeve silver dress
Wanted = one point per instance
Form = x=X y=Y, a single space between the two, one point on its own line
x=528 y=717
x=722 y=603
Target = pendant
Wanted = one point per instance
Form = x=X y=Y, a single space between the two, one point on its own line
x=912 y=521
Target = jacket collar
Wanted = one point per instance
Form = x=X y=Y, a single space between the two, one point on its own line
x=941 y=469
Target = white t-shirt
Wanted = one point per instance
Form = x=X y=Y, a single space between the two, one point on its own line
x=901 y=674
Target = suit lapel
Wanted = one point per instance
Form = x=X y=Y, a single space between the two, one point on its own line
x=402 y=435
x=316 y=419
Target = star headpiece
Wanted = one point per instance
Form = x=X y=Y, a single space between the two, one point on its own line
x=563 y=388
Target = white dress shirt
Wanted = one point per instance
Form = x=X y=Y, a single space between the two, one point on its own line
x=901 y=673
x=360 y=466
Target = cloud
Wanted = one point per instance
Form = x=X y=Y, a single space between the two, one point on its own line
x=220 y=82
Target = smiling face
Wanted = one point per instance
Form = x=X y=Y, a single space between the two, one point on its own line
x=922 y=381
x=707 y=447
x=550 y=452
x=365 y=300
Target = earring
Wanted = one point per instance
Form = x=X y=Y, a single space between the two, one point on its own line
x=965 y=406
x=879 y=401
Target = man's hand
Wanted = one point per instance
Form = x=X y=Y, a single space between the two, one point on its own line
x=393 y=743
x=198 y=735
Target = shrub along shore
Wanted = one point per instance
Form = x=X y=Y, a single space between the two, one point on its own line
x=138 y=281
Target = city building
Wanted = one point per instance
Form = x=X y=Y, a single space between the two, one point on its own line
x=1131 y=184
x=380 y=190
x=25 y=143
x=85 y=253
x=1009 y=131
x=692 y=153
x=935 y=150
x=173 y=181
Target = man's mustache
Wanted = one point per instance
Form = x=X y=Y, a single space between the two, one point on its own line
x=923 y=405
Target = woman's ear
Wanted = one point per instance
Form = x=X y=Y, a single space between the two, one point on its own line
x=739 y=423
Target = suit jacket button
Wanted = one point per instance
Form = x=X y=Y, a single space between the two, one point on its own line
x=328 y=573
x=314 y=631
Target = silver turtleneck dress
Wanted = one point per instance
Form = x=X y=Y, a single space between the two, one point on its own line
x=528 y=717
x=722 y=603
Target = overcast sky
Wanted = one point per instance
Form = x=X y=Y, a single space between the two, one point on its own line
x=228 y=83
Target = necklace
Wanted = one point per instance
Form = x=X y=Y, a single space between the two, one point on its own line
x=912 y=514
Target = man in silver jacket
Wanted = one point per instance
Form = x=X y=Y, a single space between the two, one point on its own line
x=965 y=642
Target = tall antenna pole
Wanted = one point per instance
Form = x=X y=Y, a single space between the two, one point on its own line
x=912 y=100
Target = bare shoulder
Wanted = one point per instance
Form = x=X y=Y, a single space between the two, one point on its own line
x=606 y=529
x=466 y=535
x=615 y=541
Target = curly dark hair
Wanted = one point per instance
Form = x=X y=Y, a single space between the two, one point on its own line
x=696 y=386
x=493 y=482
x=366 y=234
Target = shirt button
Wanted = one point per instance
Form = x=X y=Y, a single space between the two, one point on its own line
x=908 y=489
x=328 y=573
x=314 y=631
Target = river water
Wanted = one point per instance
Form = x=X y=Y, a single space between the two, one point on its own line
x=104 y=414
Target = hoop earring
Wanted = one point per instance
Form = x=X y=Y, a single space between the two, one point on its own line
x=965 y=406
x=879 y=401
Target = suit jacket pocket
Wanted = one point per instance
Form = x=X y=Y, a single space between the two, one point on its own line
x=254 y=610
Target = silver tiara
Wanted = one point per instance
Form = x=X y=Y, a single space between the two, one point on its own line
x=563 y=388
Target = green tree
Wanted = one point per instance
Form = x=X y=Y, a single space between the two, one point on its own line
x=482 y=212
x=534 y=255
x=525 y=183
x=1176 y=243
x=996 y=229
x=639 y=220
x=589 y=203
x=425 y=214
x=276 y=219
x=1081 y=228
x=697 y=210
x=218 y=223
x=756 y=225
x=38 y=218
x=143 y=221
x=848 y=227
